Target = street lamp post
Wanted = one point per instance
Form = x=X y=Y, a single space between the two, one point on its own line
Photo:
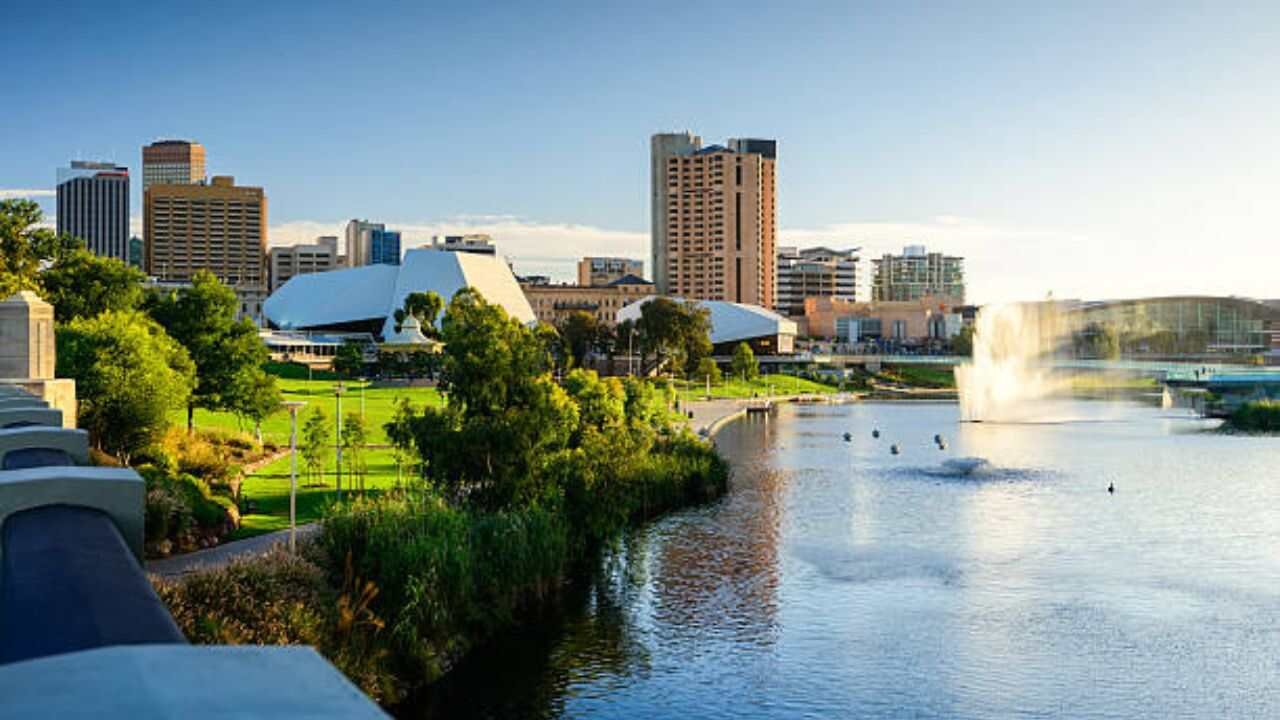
x=338 y=390
x=631 y=336
x=294 y=406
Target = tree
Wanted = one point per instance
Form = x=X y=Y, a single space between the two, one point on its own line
x=354 y=438
x=744 y=363
x=24 y=245
x=426 y=307
x=257 y=398
x=677 y=333
x=708 y=370
x=348 y=361
x=399 y=430
x=129 y=375
x=962 y=342
x=81 y=284
x=504 y=416
x=315 y=443
x=203 y=318
x=581 y=334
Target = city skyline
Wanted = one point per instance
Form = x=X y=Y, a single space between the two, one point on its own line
x=1079 y=151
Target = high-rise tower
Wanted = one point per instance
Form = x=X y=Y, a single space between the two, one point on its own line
x=93 y=205
x=714 y=226
x=172 y=162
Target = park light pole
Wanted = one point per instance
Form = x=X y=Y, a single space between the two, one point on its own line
x=631 y=337
x=338 y=390
x=294 y=406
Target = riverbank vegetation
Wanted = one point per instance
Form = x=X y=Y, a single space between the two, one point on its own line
x=510 y=487
x=1259 y=416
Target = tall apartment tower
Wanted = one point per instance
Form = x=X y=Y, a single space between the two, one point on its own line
x=917 y=273
x=93 y=205
x=219 y=227
x=172 y=162
x=714 y=223
x=815 y=272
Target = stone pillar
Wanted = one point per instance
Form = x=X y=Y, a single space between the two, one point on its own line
x=27 y=353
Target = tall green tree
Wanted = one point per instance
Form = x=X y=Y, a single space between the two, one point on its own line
x=203 y=318
x=24 y=245
x=348 y=361
x=708 y=370
x=426 y=307
x=314 y=443
x=678 y=334
x=129 y=376
x=257 y=397
x=581 y=333
x=355 y=436
x=744 y=364
x=81 y=284
x=505 y=414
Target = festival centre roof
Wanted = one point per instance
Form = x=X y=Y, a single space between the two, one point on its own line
x=363 y=295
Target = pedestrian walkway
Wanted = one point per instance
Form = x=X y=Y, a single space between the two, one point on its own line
x=172 y=568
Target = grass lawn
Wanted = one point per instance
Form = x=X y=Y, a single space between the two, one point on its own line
x=378 y=403
x=268 y=489
x=761 y=386
x=926 y=376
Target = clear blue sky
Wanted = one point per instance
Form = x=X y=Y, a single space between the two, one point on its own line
x=1140 y=141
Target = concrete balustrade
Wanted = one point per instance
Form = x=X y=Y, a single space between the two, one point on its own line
x=19 y=417
x=75 y=443
x=160 y=681
x=118 y=492
x=20 y=402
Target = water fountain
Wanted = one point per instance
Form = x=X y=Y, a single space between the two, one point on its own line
x=1013 y=373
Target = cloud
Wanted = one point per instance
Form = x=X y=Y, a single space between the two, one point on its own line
x=11 y=193
x=532 y=247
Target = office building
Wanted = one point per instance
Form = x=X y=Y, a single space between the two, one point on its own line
x=93 y=205
x=288 y=261
x=917 y=273
x=714 y=224
x=172 y=162
x=371 y=244
x=596 y=271
x=554 y=303
x=815 y=272
x=219 y=227
x=478 y=243
x=905 y=323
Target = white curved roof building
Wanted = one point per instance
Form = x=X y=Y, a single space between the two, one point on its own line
x=765 y=331
x=366 y=298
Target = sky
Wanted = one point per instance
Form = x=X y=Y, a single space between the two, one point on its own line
x=1085 y=150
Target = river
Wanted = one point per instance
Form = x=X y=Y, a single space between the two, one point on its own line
x=838 y=580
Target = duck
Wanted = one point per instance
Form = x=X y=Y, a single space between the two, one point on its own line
x=848 y=437
x=894 y=449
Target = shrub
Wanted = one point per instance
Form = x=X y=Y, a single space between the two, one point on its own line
x=182 y=512
x=1261 y=416
x=282 y=599
x=447 y=577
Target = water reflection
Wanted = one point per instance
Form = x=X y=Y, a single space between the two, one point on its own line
x=837 y=580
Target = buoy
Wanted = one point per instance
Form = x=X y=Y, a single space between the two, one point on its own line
x=894 y=448
x=875 y=433
x=848 y=437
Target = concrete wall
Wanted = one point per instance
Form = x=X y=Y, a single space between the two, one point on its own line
x=118 y=492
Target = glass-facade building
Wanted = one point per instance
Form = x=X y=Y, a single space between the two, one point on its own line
x=1191 y=325
x=384 y=247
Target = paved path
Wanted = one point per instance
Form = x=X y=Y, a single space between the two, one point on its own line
x=707 y=412
x=175 y=567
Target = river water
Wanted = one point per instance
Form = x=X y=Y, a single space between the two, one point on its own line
x=838 y=580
